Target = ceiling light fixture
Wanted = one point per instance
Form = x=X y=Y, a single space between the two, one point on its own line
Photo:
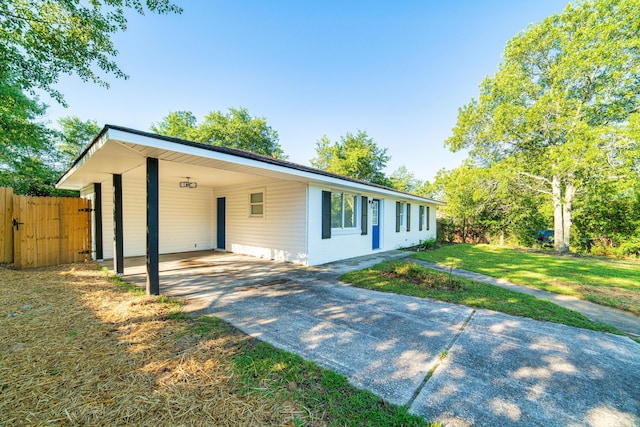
x=188 y=184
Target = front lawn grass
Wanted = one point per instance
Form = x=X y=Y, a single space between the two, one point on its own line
x=408 y=278
x=610 y=282
x=77 y=348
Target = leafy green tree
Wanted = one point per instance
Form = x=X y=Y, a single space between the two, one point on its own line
x=75 y=136
x=327 y=154
x=22 y=131
x=404 y=180
x=27 y=157
x=238 y=129
x=355 y=155
x=608 y=214
x=235 y=129
x=40 y=39
x=177 y=124
x=32 y=166
x=560 y=103
x=429 y=189
x=481 y=205
x=34 y=176
x=467 y=193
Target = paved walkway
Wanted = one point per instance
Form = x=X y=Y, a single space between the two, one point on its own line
x=626 y=322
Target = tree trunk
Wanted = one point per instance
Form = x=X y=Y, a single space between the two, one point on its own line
x=464 y=230
x=562 y=209
x=569 y=192
x=558 y=223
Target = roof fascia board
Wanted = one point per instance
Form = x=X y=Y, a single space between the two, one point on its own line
x=336 y=184
x=97 y=143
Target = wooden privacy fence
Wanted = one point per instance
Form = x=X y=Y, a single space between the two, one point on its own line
x=43 y=231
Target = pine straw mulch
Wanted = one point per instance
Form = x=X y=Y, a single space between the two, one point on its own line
x=76 y=350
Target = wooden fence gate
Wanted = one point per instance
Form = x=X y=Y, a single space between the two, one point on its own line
x=43 y=231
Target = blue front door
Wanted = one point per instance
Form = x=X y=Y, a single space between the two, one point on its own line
x=375 y=222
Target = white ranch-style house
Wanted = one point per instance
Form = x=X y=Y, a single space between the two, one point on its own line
x=154 y=194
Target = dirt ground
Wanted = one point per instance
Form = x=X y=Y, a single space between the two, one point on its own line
x=77 y=350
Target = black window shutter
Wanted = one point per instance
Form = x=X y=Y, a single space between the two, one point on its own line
x=427 y=217
x=398 y=207
x=326 y=214
x=364 y=224
x=420 y=217
x=408 y=216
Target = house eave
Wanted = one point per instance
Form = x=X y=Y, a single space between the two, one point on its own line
x=163 y=147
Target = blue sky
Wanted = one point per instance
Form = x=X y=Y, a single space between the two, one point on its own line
x=398 y=70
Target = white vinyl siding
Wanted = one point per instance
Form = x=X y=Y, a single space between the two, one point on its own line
x=290 y=229
x=347 y=245
x=186 y=218
x=281 y=234
x=107 y=219
x=186 y=215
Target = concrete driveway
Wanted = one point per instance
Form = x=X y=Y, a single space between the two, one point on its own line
x=447 y=362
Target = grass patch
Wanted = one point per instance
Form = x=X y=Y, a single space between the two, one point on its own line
x=269 y=372
x=407 y=278
x=614 y=283
x=79 y=348
x=122 y=284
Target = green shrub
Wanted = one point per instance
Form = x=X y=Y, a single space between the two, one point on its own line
x=446 y=230
x=629 y=248
x=428 y=244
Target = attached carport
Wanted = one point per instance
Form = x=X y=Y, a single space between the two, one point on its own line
x=155 y=176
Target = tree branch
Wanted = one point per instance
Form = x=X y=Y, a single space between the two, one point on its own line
x=22 y=18
x=531 y=187
x=536 y=177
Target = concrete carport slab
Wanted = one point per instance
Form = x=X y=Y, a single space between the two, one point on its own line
x=201 y=277
x=498 y=369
